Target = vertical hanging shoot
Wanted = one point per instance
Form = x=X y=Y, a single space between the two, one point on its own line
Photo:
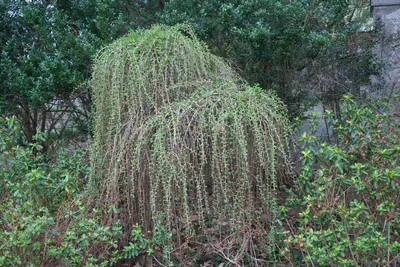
x=177 y=131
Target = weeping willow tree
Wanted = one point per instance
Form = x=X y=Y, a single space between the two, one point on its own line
x=177 y=131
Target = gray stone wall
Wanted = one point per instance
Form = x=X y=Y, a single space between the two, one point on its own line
x=386 y=16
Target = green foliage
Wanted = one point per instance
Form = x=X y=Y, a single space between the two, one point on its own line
x=31 y=177
x=106 y=20
x=348 y=193
x=46 y=52
x=288 y=46
x=133 y=250
x=178 y=132
x=175 y=127
x=41 y=60
x=34 y=188
x=84 y=241
x=160 y=243
x=43 y=240
x=220 y=139
x=141 y=73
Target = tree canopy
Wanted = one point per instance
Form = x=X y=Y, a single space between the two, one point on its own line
x=292 y=47
x=41 y=60
x=281 y=45
x=46 y=52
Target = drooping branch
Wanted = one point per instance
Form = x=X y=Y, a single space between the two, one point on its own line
x=177 y=131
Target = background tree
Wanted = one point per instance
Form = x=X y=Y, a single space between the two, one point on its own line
x=278 y=44
x=42 y=60
x=298 y=48
x=109 y=20
x=46 y=53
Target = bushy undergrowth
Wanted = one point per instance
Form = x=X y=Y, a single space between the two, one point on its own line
x=348 y=195
x=42 y=222
x=183 y=145
x=342 y=211
x=44 y=218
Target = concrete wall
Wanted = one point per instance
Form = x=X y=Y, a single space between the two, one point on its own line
x=386 y=14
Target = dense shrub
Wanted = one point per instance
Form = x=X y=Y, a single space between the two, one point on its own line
x=177 y=131
x=42 y=222
x=348 y=193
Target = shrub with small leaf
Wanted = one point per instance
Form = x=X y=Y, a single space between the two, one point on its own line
x=79 y=238
x=42 y=222
x=158 y=247
x=348 y=193
x=177 y=131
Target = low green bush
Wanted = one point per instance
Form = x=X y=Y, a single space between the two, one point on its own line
x=42 y=222
x=158 y=247
x=342 y=211
x=347 y=196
